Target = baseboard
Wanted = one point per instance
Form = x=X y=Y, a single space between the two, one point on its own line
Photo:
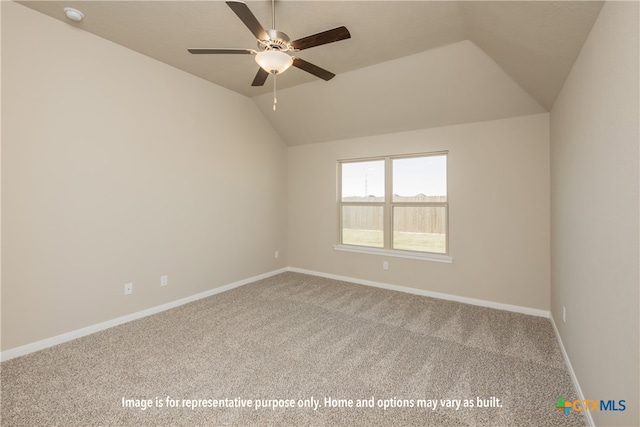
x=415 y=291
x=69 y=336
x=574 y=378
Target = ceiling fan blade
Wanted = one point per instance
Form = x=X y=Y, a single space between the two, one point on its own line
x=329 y=36
x=260 y=78
x=248 y=18
x=313 y=69
x=226 y=51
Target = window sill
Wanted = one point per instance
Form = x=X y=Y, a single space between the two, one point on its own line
x=395 y=253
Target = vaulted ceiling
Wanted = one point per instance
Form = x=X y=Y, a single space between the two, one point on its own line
x=408 y=64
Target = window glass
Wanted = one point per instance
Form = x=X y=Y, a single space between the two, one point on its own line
x=420 y=179
x=420 y=228
x=363 y=181
x=362 y=226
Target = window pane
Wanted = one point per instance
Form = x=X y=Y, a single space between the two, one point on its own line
x=420 y=179
x=362 y=226
x=363 y=181
x=422 y=229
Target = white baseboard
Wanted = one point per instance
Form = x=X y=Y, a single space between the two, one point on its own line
x=59 y=339
x=574 y=378
x=415 y=291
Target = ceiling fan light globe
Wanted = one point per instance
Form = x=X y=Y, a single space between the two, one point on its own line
x=274 y=61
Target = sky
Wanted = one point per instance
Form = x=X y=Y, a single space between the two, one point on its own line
x=411 y=176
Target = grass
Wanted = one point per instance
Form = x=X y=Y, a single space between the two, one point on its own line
x=402 y=240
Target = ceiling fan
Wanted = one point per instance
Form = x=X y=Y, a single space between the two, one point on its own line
x=274 y=46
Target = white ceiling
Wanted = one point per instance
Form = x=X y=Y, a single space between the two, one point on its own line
x=433 y=63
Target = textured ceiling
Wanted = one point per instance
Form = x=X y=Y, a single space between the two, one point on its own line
x=165 y=29
x=535 y=43
x=453 y=84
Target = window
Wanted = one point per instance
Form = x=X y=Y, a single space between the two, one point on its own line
x=395 y=203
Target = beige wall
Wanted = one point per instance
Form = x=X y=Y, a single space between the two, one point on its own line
x=117 y=168
x=499 y=211
x=595 y=215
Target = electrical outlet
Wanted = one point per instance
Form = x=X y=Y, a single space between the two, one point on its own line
x=564 y=314
x=385 y=265
x=277 y=254
x=128 y=288
x=164 y=280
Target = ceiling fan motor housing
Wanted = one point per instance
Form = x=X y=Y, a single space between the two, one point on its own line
x=277 y=41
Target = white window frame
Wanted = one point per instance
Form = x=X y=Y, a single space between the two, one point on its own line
x=388 y=206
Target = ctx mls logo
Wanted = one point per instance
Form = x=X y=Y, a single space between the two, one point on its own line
x=590 y=405
x=563 y=406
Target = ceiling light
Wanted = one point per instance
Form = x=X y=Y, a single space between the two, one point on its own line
x=274 y=61
x=73 y=14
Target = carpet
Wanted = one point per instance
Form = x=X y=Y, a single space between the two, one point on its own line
x=295 y=349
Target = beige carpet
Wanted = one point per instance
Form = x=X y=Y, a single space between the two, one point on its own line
x=299 y=339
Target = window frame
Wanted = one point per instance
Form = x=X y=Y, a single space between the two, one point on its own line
x=388 y=206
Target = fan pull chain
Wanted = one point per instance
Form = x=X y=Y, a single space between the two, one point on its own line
x=275 y=100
